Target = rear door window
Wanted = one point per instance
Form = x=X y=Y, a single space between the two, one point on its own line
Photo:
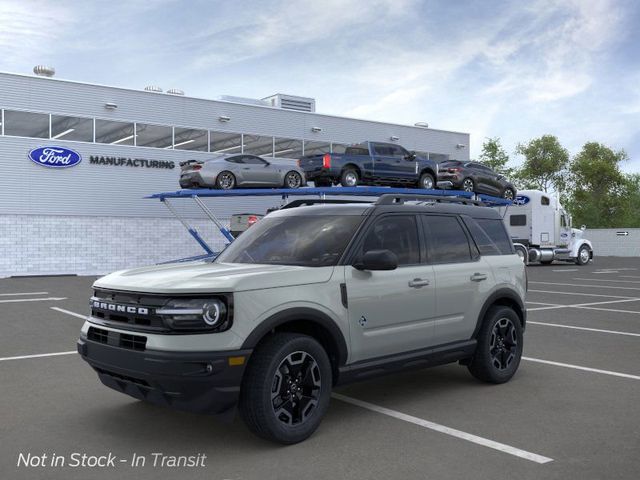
x=490 y=236
x=447 y=241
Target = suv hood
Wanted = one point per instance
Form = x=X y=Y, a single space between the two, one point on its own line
x=205 y=277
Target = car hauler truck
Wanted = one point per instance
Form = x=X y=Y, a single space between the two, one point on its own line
x=541 y=230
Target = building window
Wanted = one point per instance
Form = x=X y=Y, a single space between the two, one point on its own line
x=287 y=148
x=222 y=142
x=190 y=139
x=157 y=136
x=115 y=133
x=316 y=148
x=71 y=128
x=257 y=145
x=26 y=124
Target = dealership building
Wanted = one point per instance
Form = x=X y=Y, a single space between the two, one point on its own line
x=92 y=218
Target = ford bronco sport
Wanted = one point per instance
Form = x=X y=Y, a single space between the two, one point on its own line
x=310 y=298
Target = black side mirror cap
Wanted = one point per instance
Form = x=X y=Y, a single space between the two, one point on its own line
x=377 y=260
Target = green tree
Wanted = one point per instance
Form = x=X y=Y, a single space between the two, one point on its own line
x=545 y=164
x=495 y=157
x=598 y=191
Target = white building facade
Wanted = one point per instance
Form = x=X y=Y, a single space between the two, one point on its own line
x=92 y=217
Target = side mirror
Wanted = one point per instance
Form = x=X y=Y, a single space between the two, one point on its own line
x=377 y=260
x=583 y=228
x=411 y=156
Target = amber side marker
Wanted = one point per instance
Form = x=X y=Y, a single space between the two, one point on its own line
x=236 y=361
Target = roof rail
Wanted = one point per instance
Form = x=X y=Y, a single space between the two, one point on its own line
x=320 y=201
x=390 y=199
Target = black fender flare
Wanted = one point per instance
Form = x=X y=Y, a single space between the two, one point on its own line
x=495 y=297
x=300 y=314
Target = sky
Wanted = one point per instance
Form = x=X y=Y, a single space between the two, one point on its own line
x=509 y=69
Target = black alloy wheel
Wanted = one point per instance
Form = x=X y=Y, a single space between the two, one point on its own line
x=296 y=388
x=226 y=180
x=504 y=343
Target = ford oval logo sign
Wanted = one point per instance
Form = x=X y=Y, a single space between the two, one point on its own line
x=55 y=157
x=521 y=200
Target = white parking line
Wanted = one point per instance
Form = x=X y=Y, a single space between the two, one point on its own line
x=48 y=299
x=540 y=303
x=567 y=270
x=580 y=294
x=22 y=293
x=22 y=357
x=73 y=314
x=587 y=286
x=485 y=442
x=598 y=330
x=607 y=280
x=609 y=309
x=629 y=276
x=585 y=305
x=578 y=367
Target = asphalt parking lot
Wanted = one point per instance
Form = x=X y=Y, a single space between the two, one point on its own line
x=571 y=411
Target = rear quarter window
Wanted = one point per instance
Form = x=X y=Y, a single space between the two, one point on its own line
x=490 y=236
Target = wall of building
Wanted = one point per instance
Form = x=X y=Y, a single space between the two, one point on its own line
x=612 y=241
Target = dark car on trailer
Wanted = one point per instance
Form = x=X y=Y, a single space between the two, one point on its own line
x=475 y=177
x=371 y=163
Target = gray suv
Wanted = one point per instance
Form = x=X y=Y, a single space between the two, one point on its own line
x=309 y=298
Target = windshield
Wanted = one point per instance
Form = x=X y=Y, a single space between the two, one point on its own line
x=310 y=241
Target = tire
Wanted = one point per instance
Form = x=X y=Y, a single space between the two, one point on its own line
x=509 y=194
x=468 y=185
x=225 y=180
x=499 y=348
x=584 y=255
x=267 y=370
x=349 y=178
x=426 y=182
x=292 y=180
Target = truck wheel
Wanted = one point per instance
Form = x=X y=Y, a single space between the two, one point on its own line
x=499 y=348
x=286 y=388
x=426 y=181
x=225 y=180
x=583 y=255
x=292 y=180
x=349 y=178
x=468 y=185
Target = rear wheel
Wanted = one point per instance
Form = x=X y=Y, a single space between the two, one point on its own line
x=286 y=388
x=468 y=185
x=225 y=180
x=499 y=348
x=426 y=181
x=293 y=179
x=584 y=255
x=349 y=178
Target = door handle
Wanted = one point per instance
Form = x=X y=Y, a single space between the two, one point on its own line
x=418 y=282
x=478 y=277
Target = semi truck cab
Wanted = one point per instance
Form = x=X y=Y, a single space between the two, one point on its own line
x=542 y=230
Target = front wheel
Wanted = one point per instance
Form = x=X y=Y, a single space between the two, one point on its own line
x=426 y=181
x=584 y=255
x=499 y=348
x=286 y=388
x=293 y=180
x=225 y=180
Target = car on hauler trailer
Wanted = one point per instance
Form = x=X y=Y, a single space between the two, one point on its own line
x=308 y=298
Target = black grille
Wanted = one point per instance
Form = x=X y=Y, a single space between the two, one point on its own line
x=128 y=310
x=116 y=339
x=126 y=378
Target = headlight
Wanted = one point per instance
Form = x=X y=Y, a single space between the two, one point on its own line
x=204 y=314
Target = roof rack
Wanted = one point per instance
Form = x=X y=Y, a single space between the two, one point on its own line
x=390 y=199
x=319 y=201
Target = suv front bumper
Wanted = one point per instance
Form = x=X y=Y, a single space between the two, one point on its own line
x=199 y=382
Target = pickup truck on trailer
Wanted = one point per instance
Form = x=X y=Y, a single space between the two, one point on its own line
x=371 y=163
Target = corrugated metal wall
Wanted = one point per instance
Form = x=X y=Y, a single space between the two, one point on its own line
x=615 y=242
